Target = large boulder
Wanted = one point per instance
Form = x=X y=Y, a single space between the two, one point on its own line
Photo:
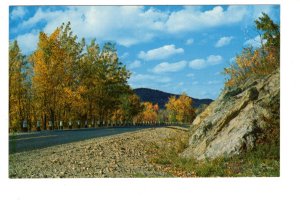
x=234 y=121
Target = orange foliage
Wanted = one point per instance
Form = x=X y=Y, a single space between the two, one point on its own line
x=149 y=114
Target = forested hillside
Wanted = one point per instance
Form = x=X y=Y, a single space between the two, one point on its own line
x=161 y=98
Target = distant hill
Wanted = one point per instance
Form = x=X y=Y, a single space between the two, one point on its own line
x=161 y=98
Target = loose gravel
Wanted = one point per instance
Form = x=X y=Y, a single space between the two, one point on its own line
x=125 y=155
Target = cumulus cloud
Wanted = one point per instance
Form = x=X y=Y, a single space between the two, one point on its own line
x=28 y=42
x=214 y=59
x=134 y=64
x=191 y=20
x=202 y=63
x=130 y=25
x=255 y=42
x=197 y=63
x=169 y=67
x=127 y=25
x=18 y=12
x=160 y=53
x=223 y=41
x=189 y=41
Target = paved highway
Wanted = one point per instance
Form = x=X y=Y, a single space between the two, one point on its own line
x=37 y=140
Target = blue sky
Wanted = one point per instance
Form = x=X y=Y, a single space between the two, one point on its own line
x=171 y=48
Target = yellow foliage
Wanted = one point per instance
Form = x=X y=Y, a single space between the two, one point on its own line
x=261 y=61
x=180 y=109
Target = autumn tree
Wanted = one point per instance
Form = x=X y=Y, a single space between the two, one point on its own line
x=172 y=109
x=260 y=61
x=48 y=77
x=70 y=81
x=180 y=109
x=19 y=88
x=149 y=114
x=72 y=102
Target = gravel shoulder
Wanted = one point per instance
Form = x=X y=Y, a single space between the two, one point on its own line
x=125 y=155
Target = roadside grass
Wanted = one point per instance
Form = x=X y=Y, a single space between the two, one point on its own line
x=260 y=162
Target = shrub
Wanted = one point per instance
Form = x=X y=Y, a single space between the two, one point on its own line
x=256 y=62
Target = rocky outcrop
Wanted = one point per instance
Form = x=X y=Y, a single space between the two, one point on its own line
x=234 y=122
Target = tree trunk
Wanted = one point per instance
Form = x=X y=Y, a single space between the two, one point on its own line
x=52 y=117
x=44 y=122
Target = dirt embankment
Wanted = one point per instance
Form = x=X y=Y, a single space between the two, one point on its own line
x=126 y=155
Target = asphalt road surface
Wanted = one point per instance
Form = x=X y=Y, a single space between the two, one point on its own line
x=38 y=140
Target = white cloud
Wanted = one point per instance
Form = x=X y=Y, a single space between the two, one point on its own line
x=190 y=75
x=195 y=82
x=130 y=25
x=223 y=41
x=189 y=41
x=255 y=42
x=169 y=67
x=136 y=78
x=214 y=59
x=181 y=83
x=191 y=20
x=134 y=64
x=197 y=63
x=160 y=53
x=118 y=23
x=18 y=13
x=202 y=63
x=28 y=42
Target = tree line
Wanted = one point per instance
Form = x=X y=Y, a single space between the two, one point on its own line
x=66 y=80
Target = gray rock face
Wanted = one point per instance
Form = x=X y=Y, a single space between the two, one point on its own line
x=233 y=122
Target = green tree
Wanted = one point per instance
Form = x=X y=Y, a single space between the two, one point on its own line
x=115 y=81
x=271 y=32
x=131 y=106
x=91 y=78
